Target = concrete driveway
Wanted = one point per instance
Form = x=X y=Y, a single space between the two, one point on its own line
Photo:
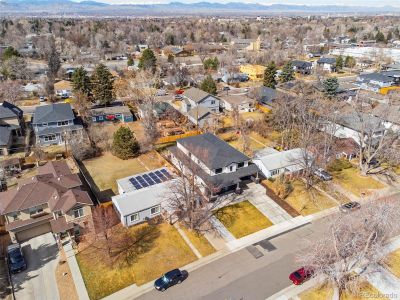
x=38 y=281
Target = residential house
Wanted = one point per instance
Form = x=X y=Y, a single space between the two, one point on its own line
x=160 y=111
x=216 y=165
x=389 y=114
x=327 y=64
x=254 y=72
x=375 y=82
x=52 y=201
x=110 y=114
x=141 y=196
x=177 y=51
x=242 y=102
x=352 y=125
x=273 y=163
x=263 y=94
x=231 y=78
x=11 y=127
x=63 y=88
x=302 y=67
x=248 y=44
x=54 y=123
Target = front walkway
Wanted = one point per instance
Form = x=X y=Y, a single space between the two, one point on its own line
x=384 y=281
x=221 y=229
x=187 y=240
x=257 y=196
x=75 y=271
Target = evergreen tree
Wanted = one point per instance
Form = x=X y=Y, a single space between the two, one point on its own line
x=269 y=75
x=287 y=73
x=211 y=63
x=130 y=62
x=350 y=62
x=389 y=36
x=53 y=60
x=10 y=52
x=331 y=86
x=339 y=62
x=81 y=81
x=208 y=85
x=148 y=60
x=102 y=85
x=380 y=37
x=125 y=145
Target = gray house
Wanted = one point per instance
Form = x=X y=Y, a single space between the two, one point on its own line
x=11 y=127
x=301 y=66
x=195 y=97
x=53 y=123
x=216 y=165
x=139 y=196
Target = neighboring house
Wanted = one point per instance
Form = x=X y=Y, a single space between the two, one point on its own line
x=11 y=127
x=254 y=72
x=141 y=196
x=377 y=81
x=389 y=114
x=216 y=165
x=327 y=64
x=10 y=166
x=353 y=124
x=195 y=97
x=52 y=201
x=177 y=51
x=202 y=116
x=231 y=78
x=63 y=88
x=273 y=163
x=242 y=102
x=52 y=123
x=111 y=113
x=161 y=110
x=248 y=44
x=263 y=94
x=302 y=67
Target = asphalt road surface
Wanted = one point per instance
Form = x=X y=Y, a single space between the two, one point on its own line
x=241 y=275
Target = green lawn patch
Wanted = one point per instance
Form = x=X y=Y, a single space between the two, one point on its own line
x=242 y=219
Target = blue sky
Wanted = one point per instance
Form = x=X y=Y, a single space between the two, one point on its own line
x=306 y=2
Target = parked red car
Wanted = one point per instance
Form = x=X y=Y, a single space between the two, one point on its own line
x=301 y=275
x=179 y=92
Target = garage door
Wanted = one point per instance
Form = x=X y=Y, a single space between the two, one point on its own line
x=32 y=232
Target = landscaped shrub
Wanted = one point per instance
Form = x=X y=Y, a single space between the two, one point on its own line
x=124 y=144
x=338 y=165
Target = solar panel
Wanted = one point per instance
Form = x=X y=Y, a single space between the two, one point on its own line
x=160 y=175
x=148 y=179
x=135 y=183
x=155 y=178
x=165 y=172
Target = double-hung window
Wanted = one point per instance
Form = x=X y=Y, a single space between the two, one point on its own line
x=134 y=217
x=78 y=212
x=155 y=210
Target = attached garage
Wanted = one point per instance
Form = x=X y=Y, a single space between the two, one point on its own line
x=33 y=232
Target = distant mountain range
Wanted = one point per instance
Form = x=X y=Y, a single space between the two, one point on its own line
x=92 y=8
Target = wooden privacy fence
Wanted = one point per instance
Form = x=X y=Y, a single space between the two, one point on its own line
x=173 y=138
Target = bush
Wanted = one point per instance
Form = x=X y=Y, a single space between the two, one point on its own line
x=125 y=145
x=283 y=187
x=338 y=165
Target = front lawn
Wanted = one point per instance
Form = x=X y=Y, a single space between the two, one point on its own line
x=242 y=219
x=199 y=241
x=326 y=292
x=305 y=202
x=393 y=263
x=256 y=141
x=165 y=251
x=106 y=169
x=351 y=180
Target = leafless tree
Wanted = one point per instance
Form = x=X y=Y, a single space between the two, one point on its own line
x=10 y=91
x=353 y=244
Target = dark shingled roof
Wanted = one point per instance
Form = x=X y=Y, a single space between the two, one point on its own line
x=212 y=151
x=5 y=134
x=8 y=110
x=301 y=64
x=327 y=60
x=53 y=113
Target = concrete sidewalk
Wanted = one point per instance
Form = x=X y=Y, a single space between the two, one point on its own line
x=257 y=196
x=384 y=281
x=223 y=232
x=75 y=271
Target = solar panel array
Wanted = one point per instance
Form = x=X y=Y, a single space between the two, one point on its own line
x=150 y=178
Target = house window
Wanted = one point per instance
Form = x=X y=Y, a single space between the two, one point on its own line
x=52 y=123
x=212 y=101
x=240 y=165
x=77 y=229
x=44 y=124
x=14 y=216
x=155 y=210
x=78 y=212
x=35 y=210
x=118 y=115
x=231 y=168
x=94 y=119
x=217 y=171
x=101 y=118
x=275 y=172
x=134 y=217
x=62 y=123
x=49 y=138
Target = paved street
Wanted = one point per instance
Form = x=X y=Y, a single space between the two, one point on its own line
x=38 y=282
x=241 y=275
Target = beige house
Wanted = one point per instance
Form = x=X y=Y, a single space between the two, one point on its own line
x=52 y=201
x=11 y=127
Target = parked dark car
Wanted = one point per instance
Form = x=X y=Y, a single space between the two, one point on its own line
x=16 y=259
x=322 y=174
x=169 y=279
x=301 y=275
x=350 y=206
x=373 y=162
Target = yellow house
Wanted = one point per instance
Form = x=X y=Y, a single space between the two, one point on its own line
x=255 y=45
x=255 y=72
x=388 y=89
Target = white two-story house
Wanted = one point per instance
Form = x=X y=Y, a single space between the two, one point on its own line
x=55 y=123
x=217 y=166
